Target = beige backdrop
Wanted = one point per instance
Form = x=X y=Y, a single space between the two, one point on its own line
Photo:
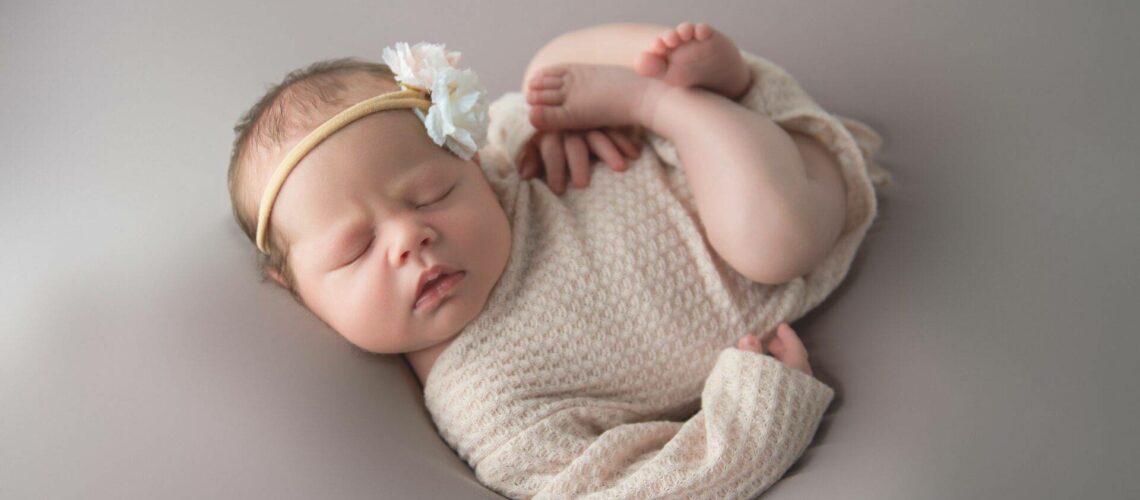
x=982 y=347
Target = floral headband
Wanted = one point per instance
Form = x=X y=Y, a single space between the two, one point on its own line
x=456 y=112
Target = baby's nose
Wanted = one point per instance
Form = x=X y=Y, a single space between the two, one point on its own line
x=413 y=239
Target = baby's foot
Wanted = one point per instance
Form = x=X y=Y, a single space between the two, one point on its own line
x=584 y=96
x=689 y=55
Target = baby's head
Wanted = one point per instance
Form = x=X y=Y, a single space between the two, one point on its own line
x=367 y=212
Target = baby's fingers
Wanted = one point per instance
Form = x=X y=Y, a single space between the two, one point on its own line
x=776 y=348
x=554 y=159
x=750 y=342
x=791 y=350
x=528 y=167
x=624 y=143
x=579 y=158
x=602 y=146
x=790 y=340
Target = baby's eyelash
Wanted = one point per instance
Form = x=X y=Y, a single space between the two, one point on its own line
x=437 y=200
x=370 y=241
x=362 y=252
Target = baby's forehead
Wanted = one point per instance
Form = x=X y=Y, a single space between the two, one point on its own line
x=301 y=110
x=388 y=150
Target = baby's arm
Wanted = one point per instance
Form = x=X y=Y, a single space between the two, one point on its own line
x=772 y=201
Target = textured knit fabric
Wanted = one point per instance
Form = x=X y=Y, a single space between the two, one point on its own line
x=603 y=364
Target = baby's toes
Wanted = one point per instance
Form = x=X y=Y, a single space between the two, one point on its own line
x=671 y=39
x=685 y=30
x=702 y=31
x=547 y=87
x=548 y=117
x=548 y=97
x=650 y=64
x=545 y=80
x=548 y=73
x=659 y=47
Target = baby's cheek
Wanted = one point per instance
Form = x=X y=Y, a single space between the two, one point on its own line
x=473 y=221
x=364 y=316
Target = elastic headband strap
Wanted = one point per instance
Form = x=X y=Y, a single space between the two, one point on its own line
x=410 y=97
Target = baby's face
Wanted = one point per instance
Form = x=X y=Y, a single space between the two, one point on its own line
x=370 y=210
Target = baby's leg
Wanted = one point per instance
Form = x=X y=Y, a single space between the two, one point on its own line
x=618 y=44
x=772 y=203
x=687 y=55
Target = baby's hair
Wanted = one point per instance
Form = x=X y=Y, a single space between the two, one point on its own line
x=302 y=101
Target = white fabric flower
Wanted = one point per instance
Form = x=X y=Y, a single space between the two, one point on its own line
x=457 y=117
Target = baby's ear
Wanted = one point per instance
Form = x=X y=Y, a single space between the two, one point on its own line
x=277 y=277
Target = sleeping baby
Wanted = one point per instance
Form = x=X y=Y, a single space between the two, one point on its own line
x=626 y=339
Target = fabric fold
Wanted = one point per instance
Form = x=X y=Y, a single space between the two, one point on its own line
x=756 y=418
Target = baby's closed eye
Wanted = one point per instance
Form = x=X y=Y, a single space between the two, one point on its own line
x=437 y=199
x=367 y=246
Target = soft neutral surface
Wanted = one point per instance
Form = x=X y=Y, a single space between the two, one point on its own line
x=603 y=363
x=983 y=345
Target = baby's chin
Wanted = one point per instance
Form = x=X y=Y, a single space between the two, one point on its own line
x=423 y=360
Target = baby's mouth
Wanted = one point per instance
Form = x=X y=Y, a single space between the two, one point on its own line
x=435 y=289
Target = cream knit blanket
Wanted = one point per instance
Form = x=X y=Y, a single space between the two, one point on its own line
x=603 y=364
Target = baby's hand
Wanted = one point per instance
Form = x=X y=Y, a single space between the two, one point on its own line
x=553 y=150
x=785 y=346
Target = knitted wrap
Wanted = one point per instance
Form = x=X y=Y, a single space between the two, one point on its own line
x=603 y=364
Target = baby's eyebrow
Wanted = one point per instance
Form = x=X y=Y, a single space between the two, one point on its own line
x=413 y=177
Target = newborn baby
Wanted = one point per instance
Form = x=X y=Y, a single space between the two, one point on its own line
x=581 y=342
